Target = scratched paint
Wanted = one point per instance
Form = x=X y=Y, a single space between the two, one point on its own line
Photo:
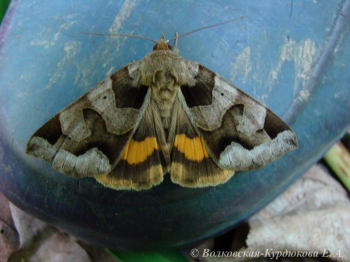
x=242 y=65
x=302 y=53
x=44 y=40
x=71 y=50
x=86 y=67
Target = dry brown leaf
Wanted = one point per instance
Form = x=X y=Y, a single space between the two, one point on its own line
x=9 y=238
x=27 y=226
x=5 y=213
x=312 y=215
x=58 y=248
x=41 y=242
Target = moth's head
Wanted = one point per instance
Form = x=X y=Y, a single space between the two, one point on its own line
x=162 y=44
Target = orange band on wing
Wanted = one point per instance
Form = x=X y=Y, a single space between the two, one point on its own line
x=137 y=152
x=193 y=148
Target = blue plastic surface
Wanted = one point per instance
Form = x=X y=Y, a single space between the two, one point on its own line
x=293 y=56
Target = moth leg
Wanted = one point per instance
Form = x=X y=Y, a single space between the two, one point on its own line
x=176 y=50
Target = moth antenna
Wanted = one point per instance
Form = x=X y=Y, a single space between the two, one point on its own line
x=205 y=28
x=176 y=50
x=136 y=36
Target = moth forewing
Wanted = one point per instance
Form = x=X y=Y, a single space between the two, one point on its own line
x=162 y=114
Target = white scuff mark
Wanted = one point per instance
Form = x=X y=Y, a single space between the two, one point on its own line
x=71 y=49
x=55 y=38
x=22 y=95
x=23 y=78
x=304 y=94
x=338 y=95
x=70 y=16
x=46 y=39
x=337 y=46
x=67 y=25
x=262 y=99
x=46 y=43
x=242 y=65
x=123 y=14
x=110 y=71
x=317 y=112
x=302 y=54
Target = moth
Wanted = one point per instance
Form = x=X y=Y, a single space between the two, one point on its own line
x=163 y=114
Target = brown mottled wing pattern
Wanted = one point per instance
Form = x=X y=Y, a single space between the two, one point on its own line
x=140 y=164
x=88 y=137
x=239 y=132
x=191 y=164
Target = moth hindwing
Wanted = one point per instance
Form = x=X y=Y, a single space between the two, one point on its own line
x=162 y=114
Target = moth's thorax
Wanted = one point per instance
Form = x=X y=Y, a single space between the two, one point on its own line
x=162 y=67
x=165 y=72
